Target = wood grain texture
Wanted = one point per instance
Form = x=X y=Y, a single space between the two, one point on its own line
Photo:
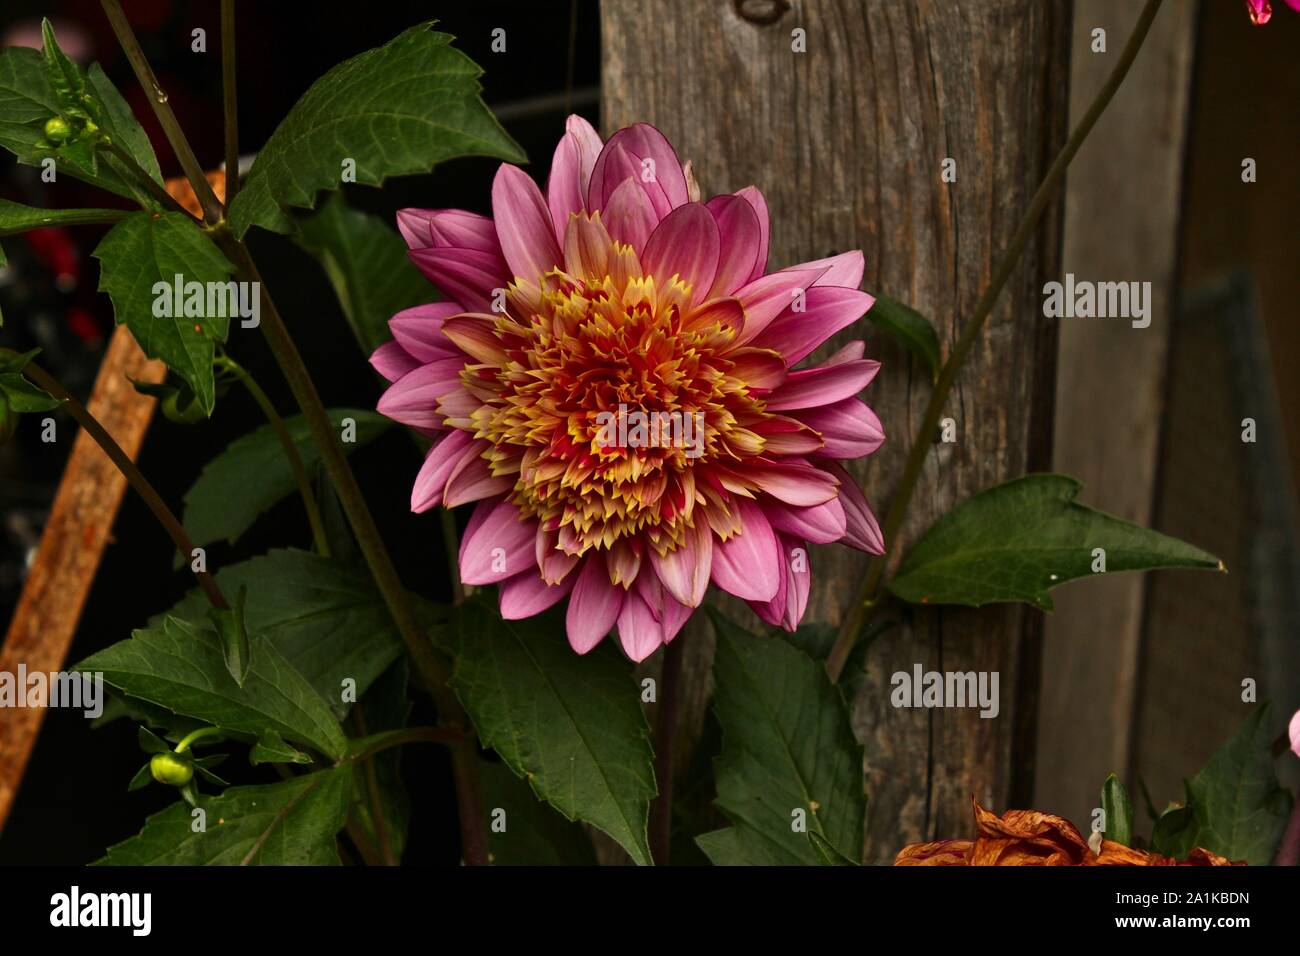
x=846 y=141
x=85 y=507
x=1121 y=224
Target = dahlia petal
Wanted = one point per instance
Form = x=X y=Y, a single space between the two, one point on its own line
x=851 y=351
x=423 y=228
x=564 y=192
x=635 y=145
x=473 y=333
x=528 y=239
x=798 y=581
x=849 y=429
x=747 y=564
x=794 y=482
x=769 y=296
x=740 y=237
x=392 y=361
x=863 y=530
x=413 y=398
x=670 y=612
x=639 y=630
x=685 y=244
x=472 y=479
x=586 y=247
x=758 y=368
x=827 y=310
x=419 y=330
x=844 y=269
x=629 y=216
x=566 y=187
x=555 y=564
x=438 y=465
x=728 y=313
x=526 y=594
x=685 y=572
x=755 y=198
x=467 y=276
x=814 y=387
x=594 y=605
x=820 y=524
x=499 y=546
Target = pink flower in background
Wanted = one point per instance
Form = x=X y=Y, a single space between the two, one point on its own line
x=611 y=379
x=1294 y=733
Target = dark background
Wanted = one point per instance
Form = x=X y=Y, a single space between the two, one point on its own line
x=73 y=801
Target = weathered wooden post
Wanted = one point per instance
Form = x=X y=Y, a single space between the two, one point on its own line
x=843 y=112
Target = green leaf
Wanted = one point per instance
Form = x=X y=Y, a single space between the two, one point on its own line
x=65 y=76
x=786 y=747
x=182 y=668
x=1119 y=811
x=398 y=109
x=150 y=742
x=116 y=119
x=291 y=823
x=572 y=725
x=271 y=748
x=253 y=474
x=726 y=848
x=148 y=248
x=828 y=854
x=1235 y=806
x=1016 y=541
x=911 y=328
x=366 y=262
x=27 y=100
x=328 y=620
x=534 y=834
x=16 y=218
x=236 y=646
x=22 y=396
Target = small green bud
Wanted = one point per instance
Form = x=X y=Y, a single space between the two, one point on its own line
x=57 y=129
x=182 y=407
x=172 y=768
x=91 y=128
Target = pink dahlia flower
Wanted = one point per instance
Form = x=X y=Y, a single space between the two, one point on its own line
x=611 y=378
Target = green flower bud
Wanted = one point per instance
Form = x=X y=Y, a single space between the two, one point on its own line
x=182 y=407
x=57 y=129
x=172 y=768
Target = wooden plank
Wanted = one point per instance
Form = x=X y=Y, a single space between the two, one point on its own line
x=72 y=545
x=1121 y=224
x=846 y=141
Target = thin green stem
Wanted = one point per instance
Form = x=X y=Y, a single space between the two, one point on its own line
x=70 y=217
x=869 y=592
x=451 y=545
x=388 y=739
x=290 y=450
x=151 y=185
x=212 y=212
x=666 y=722
x=132 y=474
x=230 y=99
x=188 y=740
x=373 y=796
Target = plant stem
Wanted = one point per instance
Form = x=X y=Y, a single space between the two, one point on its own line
x=290 y=451
x=151 y=185
x=666 y=720
x=132 y=474
x=868 y=593
x=389 y=739
x=373 y=796
x=432 y=667
x=229 y=99
x=212 y=211
x=74 y=217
